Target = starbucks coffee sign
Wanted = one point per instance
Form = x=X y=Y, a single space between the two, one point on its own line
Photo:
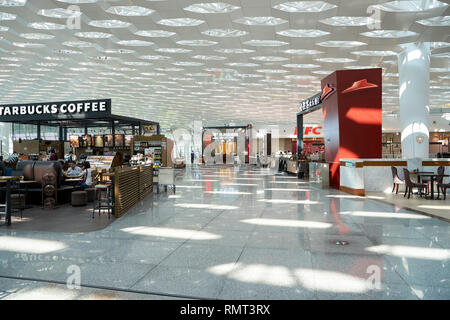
x=48 y=111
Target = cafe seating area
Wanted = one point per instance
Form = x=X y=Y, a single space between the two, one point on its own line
x=426 y=183
x=37 y=194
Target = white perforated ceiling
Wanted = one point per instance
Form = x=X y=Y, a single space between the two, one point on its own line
x=239 y=61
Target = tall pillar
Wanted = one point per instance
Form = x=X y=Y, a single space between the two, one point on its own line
x=414 y=77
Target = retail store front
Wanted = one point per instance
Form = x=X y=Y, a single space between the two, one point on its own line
x=97 y=166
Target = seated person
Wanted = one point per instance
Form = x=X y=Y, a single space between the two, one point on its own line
x=86 y=175
x=74 y=170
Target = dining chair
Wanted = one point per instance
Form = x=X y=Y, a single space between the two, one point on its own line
x=410 y=185
x=440 y=183
x=396 y=180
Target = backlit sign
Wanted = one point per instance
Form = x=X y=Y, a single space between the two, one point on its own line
x=47 y=111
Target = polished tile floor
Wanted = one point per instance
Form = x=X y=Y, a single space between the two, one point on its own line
x=231 y=233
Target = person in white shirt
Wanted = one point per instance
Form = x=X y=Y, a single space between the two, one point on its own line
x=86 y=175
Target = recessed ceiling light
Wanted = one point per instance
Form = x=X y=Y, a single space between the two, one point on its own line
x=64 y=51
x=237 y=50
x=374 y=53
x=59 y=13
x=137 y=63
x=362 y=67
x=265 y=43
x=325 y=72
x=305 y=6
x=207 y=57
x=12 y=3
x=269 y=58
x=46 y=26
x=120 y=51
x=28 y=45
x=173 y=50
x=272 y=71
x=37 y=36
x=242 y=64
x=130 y=11
x=155 y=33
x=341 y=44
x=344 y=21
x=78 y=44
x=260 y=21
x=442 y=21
x=202 y=43
x=187 y=64
x=109 y=24
x=7 y=16
x=335 y=60
x=302 y=51
x=389 y=34
x=78 y=1
x=180 y=22
x=301 y=66
x=410 y=6
x=302 y=33
x=439 y=69
x=135 y=43
x=93 y=35
x=225 y=33
x=155 y=57
x=215 y=7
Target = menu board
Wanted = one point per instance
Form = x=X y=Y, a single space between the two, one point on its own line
x=98 y=142
x=86 y=141
x=119 y=140
x=128 y=139
x=109 y=142
x=74 y=141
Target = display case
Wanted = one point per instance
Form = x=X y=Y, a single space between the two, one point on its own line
x=101 y=162
x=157 y=147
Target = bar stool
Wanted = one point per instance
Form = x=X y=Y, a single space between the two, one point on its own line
x=103 y=199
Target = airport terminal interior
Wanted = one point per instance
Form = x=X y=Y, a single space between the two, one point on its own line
x=236 y=150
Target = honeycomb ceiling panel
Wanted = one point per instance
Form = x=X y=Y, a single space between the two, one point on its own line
x=230 y=61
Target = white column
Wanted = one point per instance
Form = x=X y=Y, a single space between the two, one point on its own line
x=5 y=138
x=414 y=77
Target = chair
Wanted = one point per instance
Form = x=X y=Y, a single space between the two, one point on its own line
x=18 y=203
x=396 y=180
x=103 y=199
x=410 y=185
x=440 y=183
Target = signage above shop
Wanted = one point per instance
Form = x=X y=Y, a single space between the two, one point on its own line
x=311 y=131
x=50 y=111
x=310 y=104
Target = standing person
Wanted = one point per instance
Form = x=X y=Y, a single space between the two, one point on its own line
x=70 y=157
x=53 y=156
x=192 y=156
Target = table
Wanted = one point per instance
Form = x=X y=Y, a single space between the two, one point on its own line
x=7 y=204
x=433 y=177
x=420 y=173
